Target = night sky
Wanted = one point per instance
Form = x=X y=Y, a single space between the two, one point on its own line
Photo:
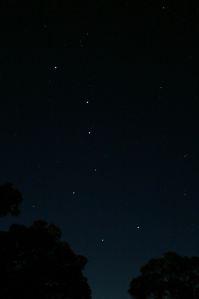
x=99 y=122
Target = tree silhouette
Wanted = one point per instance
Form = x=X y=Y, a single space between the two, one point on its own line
x=168 y=277
x=34 y=262
x=10 y=199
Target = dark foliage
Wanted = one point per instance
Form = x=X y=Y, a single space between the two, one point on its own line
x=10 y=200
x=168 y=277
x=36 y=264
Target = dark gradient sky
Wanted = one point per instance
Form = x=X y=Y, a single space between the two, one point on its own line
x=99 y=128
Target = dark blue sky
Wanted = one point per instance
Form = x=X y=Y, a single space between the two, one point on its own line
x=99 y=130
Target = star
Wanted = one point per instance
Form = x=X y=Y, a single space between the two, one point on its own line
x=138 y=227
x=34 y=206
x=86 y=101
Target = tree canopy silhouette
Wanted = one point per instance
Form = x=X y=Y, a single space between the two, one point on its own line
x=34 y=262
x=168 y=277
x=10 y=200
